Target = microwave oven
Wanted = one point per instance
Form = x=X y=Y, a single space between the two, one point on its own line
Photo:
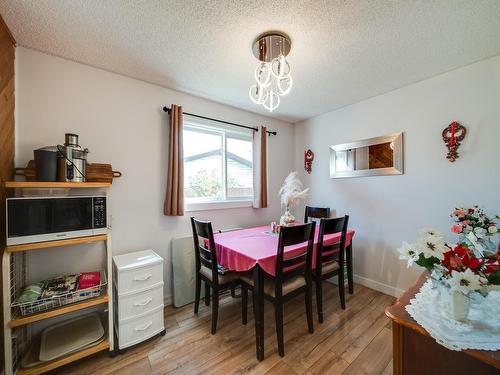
x=37 y=219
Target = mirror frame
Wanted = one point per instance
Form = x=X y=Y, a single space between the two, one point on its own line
x=397 y=168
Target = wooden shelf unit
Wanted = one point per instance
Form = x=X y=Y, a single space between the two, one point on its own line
x=17 y=323
x=57 y=243
x=51 y=185
x=47 y=366
x=21 y=321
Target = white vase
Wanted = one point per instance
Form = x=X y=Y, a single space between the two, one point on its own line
x=460 y=306
x=455 y=305
x=287 y=218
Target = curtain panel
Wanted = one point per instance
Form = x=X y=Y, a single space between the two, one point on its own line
x=260 y=167
x=174 y=197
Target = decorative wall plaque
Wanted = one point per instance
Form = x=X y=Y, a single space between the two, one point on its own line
x=453 y=134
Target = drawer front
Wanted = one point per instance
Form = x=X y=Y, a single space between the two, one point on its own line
x=132 y=305
x=137 y=330
x=140 y=279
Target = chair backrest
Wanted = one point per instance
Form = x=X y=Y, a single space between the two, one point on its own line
x=316 y=212
x=327 y=253
x=299 y=263
x=205 y=253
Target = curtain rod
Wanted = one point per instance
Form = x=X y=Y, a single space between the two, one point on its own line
x=165 y=109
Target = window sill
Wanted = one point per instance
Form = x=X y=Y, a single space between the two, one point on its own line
x=206 y=206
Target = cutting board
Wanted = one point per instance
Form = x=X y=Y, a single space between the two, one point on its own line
x=96 y=172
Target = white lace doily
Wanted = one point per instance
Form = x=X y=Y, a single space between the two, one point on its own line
x=480 y=331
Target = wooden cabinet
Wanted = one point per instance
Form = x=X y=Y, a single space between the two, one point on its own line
x=415 y=352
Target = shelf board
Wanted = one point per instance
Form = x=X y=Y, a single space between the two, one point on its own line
x=21 y=321
x=47 y=366
x=43 y=184
x=56 y=243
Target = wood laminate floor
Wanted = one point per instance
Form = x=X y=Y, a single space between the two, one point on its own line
x=352 y=341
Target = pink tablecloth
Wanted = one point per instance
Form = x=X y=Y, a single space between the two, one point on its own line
x=241 y=250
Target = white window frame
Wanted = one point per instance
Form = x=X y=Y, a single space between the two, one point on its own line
x=225 y=202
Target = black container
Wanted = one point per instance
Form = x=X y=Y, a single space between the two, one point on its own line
x=46 y=163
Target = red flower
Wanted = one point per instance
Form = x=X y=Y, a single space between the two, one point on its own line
x=493 y=264
x=461 y=250
x=460 y=258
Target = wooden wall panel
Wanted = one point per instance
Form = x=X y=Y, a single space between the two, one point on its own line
x=7 y=53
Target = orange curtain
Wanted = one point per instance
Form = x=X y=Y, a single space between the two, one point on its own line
x=174 y=198
x=260 y=168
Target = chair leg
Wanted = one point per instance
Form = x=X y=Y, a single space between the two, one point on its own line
x=244 y=304
x=341 y=289
x=278 y=311
x=319 y=299
x=309 y=307
x=215 y=309
x=207 y=294
x=197 y=294
x=233 y=293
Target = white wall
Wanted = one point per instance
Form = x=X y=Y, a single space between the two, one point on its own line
x=121 y=121
x=385 y=210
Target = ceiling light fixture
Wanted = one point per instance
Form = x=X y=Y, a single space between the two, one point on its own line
x=272 y=75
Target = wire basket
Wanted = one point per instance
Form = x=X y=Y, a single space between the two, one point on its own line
x=40 y=305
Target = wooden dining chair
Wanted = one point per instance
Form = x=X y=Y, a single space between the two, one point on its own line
x=316 y=213
x=214 y=276
x=292 y=277
x=330 y=259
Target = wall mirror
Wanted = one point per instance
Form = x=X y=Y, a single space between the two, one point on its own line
x=370 y=157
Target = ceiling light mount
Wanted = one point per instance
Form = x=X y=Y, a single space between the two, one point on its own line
x=272 y=74
x=270 y=45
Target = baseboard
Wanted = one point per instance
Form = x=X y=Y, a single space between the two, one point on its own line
x=372 y=284
x=377 y=285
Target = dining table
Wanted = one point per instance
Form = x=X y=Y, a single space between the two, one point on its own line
x=255 y=250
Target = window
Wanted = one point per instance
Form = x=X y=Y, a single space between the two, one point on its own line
x=217 y=166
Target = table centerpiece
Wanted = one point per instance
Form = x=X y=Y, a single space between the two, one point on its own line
x=463 y=291
x=291 y=193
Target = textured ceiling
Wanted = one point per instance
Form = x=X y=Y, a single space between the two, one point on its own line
x=342 y=51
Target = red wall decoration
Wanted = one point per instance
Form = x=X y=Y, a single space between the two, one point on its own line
x=453 y=134
x=308 y=159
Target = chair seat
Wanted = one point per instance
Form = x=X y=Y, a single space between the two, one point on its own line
x=329 y=267
x=289 y=285
x=226 y=278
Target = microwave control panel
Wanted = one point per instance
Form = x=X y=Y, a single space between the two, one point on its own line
x=99 y=212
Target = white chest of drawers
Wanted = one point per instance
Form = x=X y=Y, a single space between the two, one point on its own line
x=138 y=292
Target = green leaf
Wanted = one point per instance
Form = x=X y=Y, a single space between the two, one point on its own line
x=494 y=278
x=427 y=263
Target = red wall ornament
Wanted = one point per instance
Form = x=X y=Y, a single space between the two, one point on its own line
x=453 y=134
x=308 y=159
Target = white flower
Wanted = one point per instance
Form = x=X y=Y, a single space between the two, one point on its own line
x=431 y=245
x=431 y=233
x=464 y=282
x=492 y=229
x=409 y=253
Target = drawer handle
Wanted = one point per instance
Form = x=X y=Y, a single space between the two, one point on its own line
x=142 y=278
x=144 y=327
x=144 y=303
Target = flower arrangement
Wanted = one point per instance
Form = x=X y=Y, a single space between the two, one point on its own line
x=291 y=193
x=476 y=227
x=469 y=266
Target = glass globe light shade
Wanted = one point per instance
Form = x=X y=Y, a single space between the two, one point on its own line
x=280 y=68
x=272 y=101
x=263 y=75
x=257 y=93
x=284 y=85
